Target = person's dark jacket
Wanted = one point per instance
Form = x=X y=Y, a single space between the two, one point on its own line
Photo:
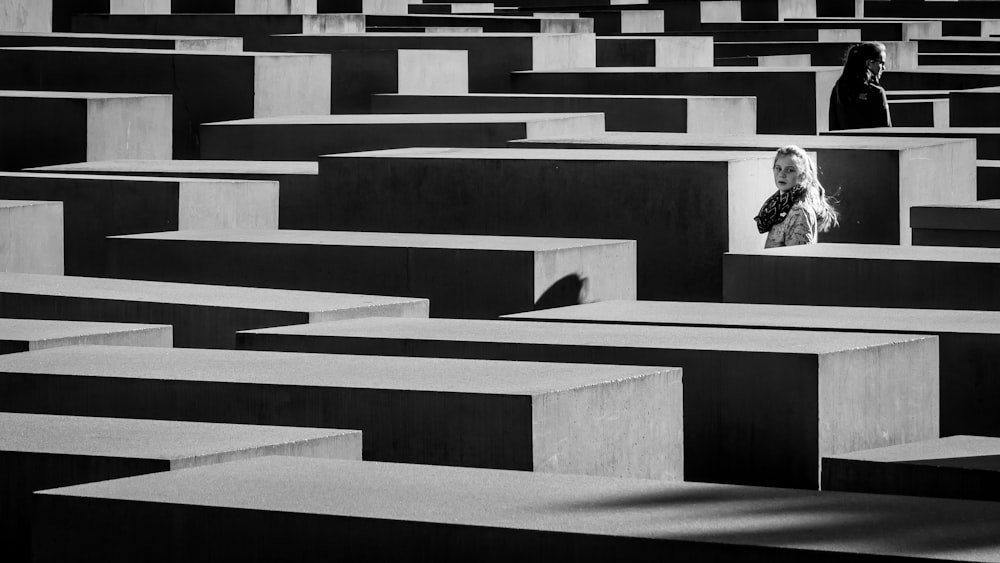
x=858 y=105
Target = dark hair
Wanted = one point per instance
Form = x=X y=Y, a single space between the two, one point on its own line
x=856 y=61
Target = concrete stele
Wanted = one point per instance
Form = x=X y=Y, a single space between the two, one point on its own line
x=23 y=335
x=31 y=237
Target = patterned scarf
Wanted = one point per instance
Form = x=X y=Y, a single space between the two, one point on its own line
x=776 y=208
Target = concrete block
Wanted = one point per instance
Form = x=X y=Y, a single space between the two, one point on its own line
x=306 y=137
x=718 y=11
x=669 y=51
x=22 y=335
x=919 y=113
x=42 y=451
x=937 y=78
x=722 y=115
x=868 y=175
x=121 y=41
x=972 y=224
x=296 y=508
x=42 y=128
x=205 y=86
x=225 y=25
x=867 y=275
x=969 y=341
x=987 y=138
x=489 y=23
x=95 y=207
x=616 y=421
x=31 y=237
x=965 y=467
x=139 y=6
x=25 y=15
x=975 y=108
x=299 y=190
x=464 y=276
x=492 y=56
x=809 y=29
x=202 y=316
x=935 y=9
x=769 y=85
x=651 y=197
x=617 y=20
x=760 y=406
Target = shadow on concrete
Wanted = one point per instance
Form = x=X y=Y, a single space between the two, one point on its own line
x=568 y=290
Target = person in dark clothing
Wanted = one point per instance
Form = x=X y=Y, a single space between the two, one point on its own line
x=857 y=100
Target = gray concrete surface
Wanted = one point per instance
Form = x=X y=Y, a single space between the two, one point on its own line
x=971 y=224
x=22 y=335
x=31 y=237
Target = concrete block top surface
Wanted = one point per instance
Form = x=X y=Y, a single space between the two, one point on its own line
x=922 y=131
x=191 y=294
x=11 y=203
x=162 y=52
x=584 y=96
x=145 y=439
x=388 y=36
x=757 y=141
x=71 y=95
x=972 y=205
x=680 y=70
x=587 y=155
x=122 y=178
x=69 y=35
x=806 y=317
x=599 y=335
x=320 y=370
x=886 y=252
x=402 y=118
x=37 y=330
x=189 y=166
x=850 y=523
x=374 y=239
x=968 y=452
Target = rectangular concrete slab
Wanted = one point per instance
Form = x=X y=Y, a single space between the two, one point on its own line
x=31 y=237
x=43 y=451
x=298 y=181
x=867 y=275
x=564 y=418
x=769 y=85
x=121 y=41
x=721 y=115
x=971 y=224
x=987 y=138
x=966 y=467
x=223 y=25
x=206 y=86
x=42 y=128
x=95 y=207
x=306 y=137
x=760 y=406
x=203 y=316
x=682 y=207
x=969 y=340
x=667 y=51
x=975 y=108
x=464 y=276
x=23 y=335
x=300 y=508
x=867 y=175
x=489 y=23
x=988 y=179
x=492 y=56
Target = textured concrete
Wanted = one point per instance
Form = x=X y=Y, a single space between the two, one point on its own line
x=246 y=26
x=120 y=41
x=558 y=418
x=22 y=335
x=492 y=56
x=26 y=15
x=42 y=128
x=720 y=115
x=203 y=316
x=760 y=406
x=296 y=508
x=43 y=451
x=668 y=51
x=95 y=207
x=867 y=175
x=769 y=85
x=969 y=341
x=866 y=275
x=684 y=207
x=206 y=86
x=309 y=136
x=464 y=276
x=972 y=224
x=966 y=467
x=298 y=181
x=31 y=237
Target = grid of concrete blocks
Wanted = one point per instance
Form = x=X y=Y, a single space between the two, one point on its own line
x=429 y=281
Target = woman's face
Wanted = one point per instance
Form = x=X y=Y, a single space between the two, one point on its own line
x=787 y=172
x=877 y=66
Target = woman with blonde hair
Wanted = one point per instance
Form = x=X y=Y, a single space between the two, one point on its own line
x=800 y=209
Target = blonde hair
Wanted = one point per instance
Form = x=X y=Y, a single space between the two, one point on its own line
x=814 y=196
